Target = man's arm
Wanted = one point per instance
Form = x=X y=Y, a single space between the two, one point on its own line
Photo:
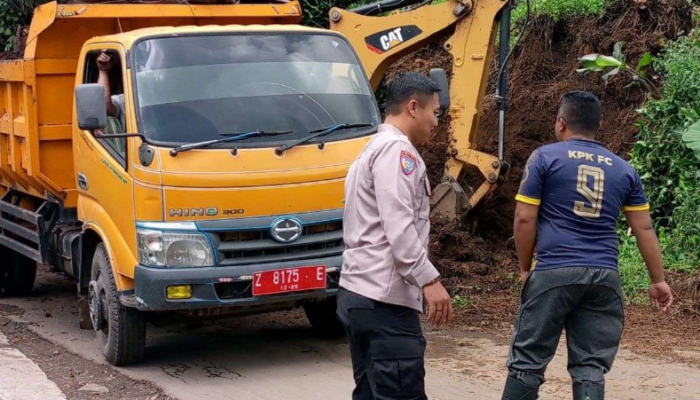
x=527 y=209
x=104 y=65
x=660 y=293
x=525 y=232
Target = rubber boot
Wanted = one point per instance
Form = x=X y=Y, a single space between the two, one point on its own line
x=516 y=390
x=589 y=391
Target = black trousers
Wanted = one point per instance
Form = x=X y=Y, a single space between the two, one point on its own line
x=387 y=348
x=587 y=302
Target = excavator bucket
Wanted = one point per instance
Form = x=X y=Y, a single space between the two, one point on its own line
x=449 y=200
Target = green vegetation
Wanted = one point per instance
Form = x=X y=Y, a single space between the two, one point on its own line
x=9 y=21
x=666 y=156
x=558 y=9
x=459 y=302
x=617 y=63
x=13 y=15
x=315 y=12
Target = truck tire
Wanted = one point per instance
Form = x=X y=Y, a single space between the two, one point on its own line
x=323 y=318
x=18 y=275
x=122 y=330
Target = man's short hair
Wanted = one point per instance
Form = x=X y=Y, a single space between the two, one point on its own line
x=581 y=111
x=404 y=87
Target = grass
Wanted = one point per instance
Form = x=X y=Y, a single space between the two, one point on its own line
x=460 y=303
x=633 y=272
x=558 y=9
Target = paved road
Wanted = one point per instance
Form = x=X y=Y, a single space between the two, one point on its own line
x=276 y=357
x=16 y=367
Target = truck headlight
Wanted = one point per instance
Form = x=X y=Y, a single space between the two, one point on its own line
x=165 y=249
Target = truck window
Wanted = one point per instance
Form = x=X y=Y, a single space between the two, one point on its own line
x=105 y=68
x=194 y=88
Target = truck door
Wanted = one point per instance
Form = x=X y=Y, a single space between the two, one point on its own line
x=104 y=184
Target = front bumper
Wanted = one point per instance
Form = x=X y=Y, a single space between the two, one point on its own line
x=222 y=286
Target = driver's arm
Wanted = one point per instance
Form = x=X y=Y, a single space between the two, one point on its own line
x=105 y=64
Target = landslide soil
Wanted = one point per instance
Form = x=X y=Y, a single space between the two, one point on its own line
x=478 y=260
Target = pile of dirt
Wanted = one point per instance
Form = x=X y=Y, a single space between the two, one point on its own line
x=543 y=68
x=675 y=335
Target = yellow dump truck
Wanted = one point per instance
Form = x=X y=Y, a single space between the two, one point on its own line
x=179 y=158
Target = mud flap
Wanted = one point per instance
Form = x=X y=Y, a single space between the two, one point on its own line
x=398 y=371
x=84 y=313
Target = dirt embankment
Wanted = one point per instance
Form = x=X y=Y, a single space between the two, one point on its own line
x=479 y=264
x=543 y=68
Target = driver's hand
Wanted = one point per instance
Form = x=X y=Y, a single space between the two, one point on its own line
x=105 y=62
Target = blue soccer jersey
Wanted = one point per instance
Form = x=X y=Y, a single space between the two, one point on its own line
x=580 y=188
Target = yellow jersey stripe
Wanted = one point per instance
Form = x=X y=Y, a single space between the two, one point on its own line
x=643 y=207
x=528 y=200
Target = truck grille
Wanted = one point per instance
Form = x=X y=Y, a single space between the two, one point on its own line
x=254 y=246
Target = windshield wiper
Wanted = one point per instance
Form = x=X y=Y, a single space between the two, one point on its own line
x=318 y=133
x=228 y=137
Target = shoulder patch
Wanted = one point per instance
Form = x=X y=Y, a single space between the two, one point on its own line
x=408 y=162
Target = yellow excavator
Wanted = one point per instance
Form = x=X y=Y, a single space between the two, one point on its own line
x=383 y=32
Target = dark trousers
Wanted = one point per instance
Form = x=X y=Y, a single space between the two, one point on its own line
x=387 y=348
x=588 y=303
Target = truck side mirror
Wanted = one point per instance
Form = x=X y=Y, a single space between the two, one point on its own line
x=440 y=77
x=90 y=106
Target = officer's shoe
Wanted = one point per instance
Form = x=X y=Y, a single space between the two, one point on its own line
x=516 y=390
x=589 y=391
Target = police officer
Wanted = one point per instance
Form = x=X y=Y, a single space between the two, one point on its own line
x=386 y=270
x=569 y=201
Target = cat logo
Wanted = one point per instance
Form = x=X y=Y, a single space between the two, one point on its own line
x=384 y=41
x=391 y=39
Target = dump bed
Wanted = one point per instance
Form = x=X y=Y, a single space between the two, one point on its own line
x=36 y=92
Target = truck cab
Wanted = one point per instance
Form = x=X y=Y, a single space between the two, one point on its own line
x=208 y=165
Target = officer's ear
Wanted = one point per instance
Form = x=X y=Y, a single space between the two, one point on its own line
x=412 y=107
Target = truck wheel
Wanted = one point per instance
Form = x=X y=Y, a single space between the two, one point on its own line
x=121 y=331
x=323 y=318
x=18 y=274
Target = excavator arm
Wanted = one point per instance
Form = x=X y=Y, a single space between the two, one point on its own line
x=470 y=29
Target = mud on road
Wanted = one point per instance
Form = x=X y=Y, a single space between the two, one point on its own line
x=78 y=378
x=277 y=356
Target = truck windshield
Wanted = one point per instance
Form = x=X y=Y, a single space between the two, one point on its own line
x=196 y=88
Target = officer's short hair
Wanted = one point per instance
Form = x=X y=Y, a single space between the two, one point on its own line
x=581 y=111
x=406 y=86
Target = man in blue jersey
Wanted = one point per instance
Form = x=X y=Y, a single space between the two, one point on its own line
x=568 y=204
